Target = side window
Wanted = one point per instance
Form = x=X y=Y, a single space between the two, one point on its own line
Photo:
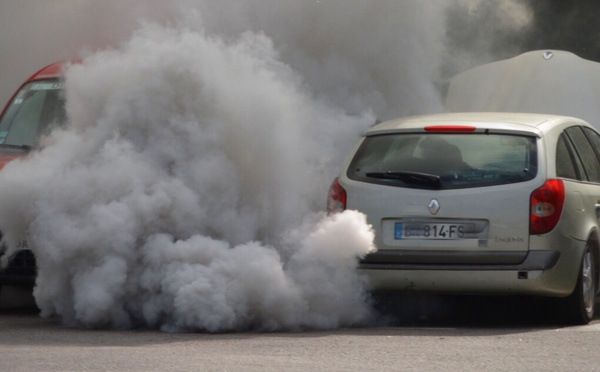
x=594 y=138
x=586 y=152
x=564 y=160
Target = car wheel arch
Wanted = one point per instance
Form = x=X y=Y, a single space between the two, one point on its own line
x=593 y=242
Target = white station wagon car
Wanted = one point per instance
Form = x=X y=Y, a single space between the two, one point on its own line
x=480 y=203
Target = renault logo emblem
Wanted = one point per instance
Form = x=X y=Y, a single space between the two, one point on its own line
x=433 y=206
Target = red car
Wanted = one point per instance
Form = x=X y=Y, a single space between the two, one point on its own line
x=36 y=107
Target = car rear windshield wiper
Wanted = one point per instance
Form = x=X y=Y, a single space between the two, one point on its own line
x=409 y=177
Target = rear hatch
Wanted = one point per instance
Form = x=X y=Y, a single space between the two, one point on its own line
x=445 y=196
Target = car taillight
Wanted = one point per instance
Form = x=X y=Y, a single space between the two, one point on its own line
x=336 y=198
x=449 y=128
x=546 y=205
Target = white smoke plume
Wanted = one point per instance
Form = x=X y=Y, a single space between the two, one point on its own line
x=384 y=54
x=171 y=198
x=186 y=191
x=35 y=33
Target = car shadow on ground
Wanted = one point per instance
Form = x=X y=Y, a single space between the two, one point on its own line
x=17 y=300
x=412 y=309
x=401 y=309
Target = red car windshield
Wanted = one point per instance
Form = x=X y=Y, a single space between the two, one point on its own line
x=38 y=107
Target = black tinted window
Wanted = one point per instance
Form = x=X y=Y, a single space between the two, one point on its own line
x=594 y=138
x=586 y=152
x=565 y=166
x=448 y=161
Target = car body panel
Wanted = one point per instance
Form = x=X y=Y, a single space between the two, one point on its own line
x=384 y=208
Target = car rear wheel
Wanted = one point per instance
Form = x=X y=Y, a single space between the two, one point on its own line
x=580 y=306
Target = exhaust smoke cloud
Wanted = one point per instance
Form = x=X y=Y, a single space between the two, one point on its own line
x=176 y=196
x=186 y=191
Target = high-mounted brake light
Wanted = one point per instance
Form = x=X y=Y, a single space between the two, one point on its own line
x=336 y=198
x=449 y=128
x=546 y=205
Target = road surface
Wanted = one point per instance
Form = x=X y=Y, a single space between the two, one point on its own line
x=419 y=342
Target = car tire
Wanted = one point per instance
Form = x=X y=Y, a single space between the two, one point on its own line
x=580 y=306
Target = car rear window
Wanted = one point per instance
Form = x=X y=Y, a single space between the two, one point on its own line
x=34 y=111
x=445 y=161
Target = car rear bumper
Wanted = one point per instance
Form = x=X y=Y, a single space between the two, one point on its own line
x=452 y=260
x=544 y=273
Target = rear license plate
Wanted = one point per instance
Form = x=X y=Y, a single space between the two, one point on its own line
x=403 y=230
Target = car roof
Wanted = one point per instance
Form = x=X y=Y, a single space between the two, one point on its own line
x=481 y=121
x=51 y=71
